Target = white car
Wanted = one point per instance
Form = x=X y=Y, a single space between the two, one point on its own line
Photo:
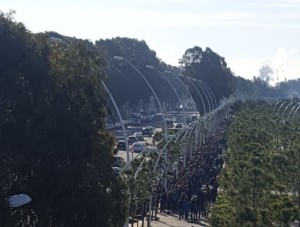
x=137 y=147
x=139 y=136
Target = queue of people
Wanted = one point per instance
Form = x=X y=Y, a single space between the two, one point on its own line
x=191 y=191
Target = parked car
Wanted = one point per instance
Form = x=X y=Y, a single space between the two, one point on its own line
x=137 y=147
x=147 y=131
x=121 y=145
x=132 y=139
x=136 y=121
x=179 y=125
x=139 y=136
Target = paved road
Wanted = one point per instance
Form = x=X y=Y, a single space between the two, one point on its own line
x=172 y=221
x=148 y=140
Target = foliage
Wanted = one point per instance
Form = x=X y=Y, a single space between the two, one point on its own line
x=209 y=67
x=125 y=83
x=261 y=175
x=54 y=146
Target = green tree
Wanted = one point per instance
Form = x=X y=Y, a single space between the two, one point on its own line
x=54 y=146
x=209 y=67
x=257 y=180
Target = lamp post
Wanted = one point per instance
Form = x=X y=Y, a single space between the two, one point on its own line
x=280 y=107
x=174 y=89
x=210 y=94
x=182 y=76
x=120 y=119
x=297 y=104
x=285 y=109
x=295 y=113
x=204 y=92
x=188 y=93
x=119 y=58
x=276 y=104
x=214 y=97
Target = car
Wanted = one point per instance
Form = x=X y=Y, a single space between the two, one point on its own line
x=189 y=120
x=170 y=123
x=179 y=125
x=132 y=139
x=121 y=145
x=147 y=131
x=137 y=147
x=139 y=136
x=136 y=121
x=119 y=135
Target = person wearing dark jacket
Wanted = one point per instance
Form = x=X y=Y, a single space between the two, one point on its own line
x=193 y=208
x=180 y=207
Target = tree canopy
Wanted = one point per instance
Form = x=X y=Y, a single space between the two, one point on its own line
x=54 y=146
x=260 y=182
x=209 y=67
x=126 y=85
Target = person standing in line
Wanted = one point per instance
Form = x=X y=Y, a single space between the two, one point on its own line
x=193 y=209
x=163 y=201
x=180 y=207
x=186 y=208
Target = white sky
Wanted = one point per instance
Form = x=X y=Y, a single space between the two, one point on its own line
x=248 y=33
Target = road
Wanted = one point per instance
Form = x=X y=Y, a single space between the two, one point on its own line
x=156 y=123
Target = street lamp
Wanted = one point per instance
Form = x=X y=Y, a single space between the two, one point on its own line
x=177 y=77
x=208 y=88
x=285 y=109
x=295 y=113
x=120 y=119
x=206 y=95
x=297 y=104
x=182 y=76
x=165 y=130
x=119 y=58
x=210 y=94
x=174 y=89
x=280 y=107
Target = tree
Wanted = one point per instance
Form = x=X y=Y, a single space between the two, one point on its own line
x=54 y=146
x=125 y=84
x=260 y=170
x=210 y=68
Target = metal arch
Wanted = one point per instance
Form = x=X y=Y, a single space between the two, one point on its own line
x=151 y=88
x=274 y=108
x=285 y=109
x=204 y=92
x=295 y=113
x=174 y=89
x=284 y=102
x=208 y=92
x=273 y=101
x=120 y=119
x=269 y=100
x=214 y=97
x=292 y=110
x=187 y=91
x=198 y=93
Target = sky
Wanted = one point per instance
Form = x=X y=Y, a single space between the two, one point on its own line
x=250 y=35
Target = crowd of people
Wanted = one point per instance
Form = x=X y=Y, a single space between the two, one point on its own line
x=194 y=187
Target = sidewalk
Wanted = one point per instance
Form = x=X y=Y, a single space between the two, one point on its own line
x=170 y=220
x=173 y=221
